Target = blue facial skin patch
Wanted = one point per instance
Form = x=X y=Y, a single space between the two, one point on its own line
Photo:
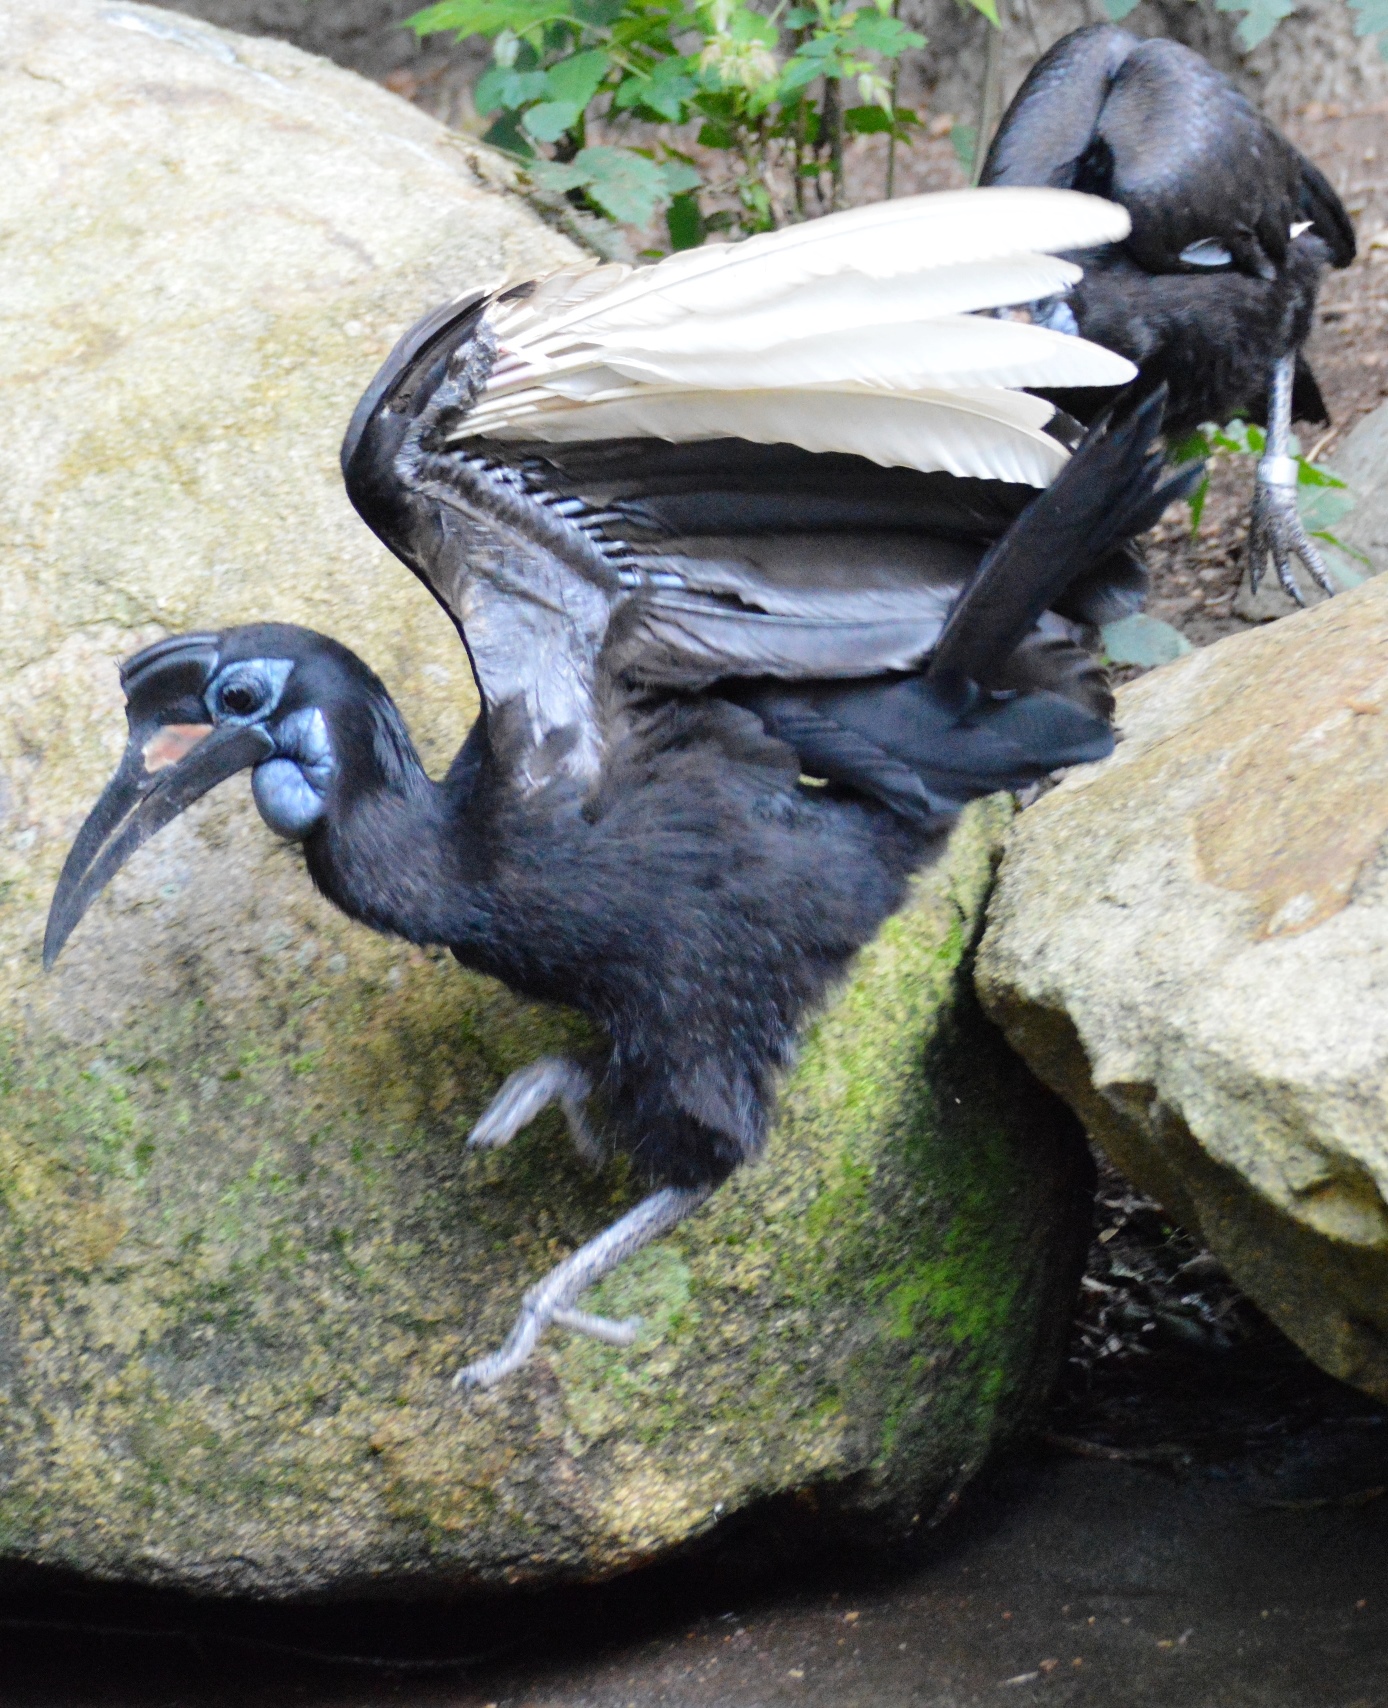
x=290 y=789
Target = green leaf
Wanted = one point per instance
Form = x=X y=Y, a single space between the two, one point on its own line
x=1197 y=505
x=1117 y=10
x=664 y=92
x=1370 y=16
x=548 y=121
x=1196 y=444
x=1323 y=507
x=680 y=176
x=685 y=222
x=715 y=133
x=486 y=17
x=1315 y=474
x=499 y=87
x=505 y=133
x=865 y=121
x=1142 y=640
x=824 y=46
x=748 y=26
x=578 y=78
x=558 y=176
x=963 y=140
x=797 y=73
x=1261 y=18
x=598 y=14
x=887 y=36
x=625 y=185
x=1240 y=437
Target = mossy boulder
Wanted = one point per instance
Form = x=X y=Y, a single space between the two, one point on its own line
x=242 y=1247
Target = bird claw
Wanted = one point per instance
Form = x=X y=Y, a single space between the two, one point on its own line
x=527 y=1093
x=551 y=1300
x=1278 y=532
x=534 y=1317
x=612 y=1332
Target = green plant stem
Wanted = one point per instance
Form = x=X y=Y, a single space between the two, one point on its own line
x=833 y=125
x=989 y=100
x=890 y=190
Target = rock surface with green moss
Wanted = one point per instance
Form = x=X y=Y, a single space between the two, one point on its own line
x=1190 y=942
x=242 y=1248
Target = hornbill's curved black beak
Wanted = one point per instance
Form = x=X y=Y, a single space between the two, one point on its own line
x=175 y=754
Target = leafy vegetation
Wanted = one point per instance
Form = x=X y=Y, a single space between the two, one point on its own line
x=773 y=96
x=591 y=95
x=1322 y=497
x=764 y=98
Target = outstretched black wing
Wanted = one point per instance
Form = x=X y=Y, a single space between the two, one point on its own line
x=530 y=590
x=735 y=462
x=672 y=566
x=766 y=465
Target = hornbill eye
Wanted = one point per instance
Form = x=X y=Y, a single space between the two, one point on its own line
x=240 y=699
x=248 y=690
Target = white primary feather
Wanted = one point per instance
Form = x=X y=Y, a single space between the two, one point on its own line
x=538 y=325
x=948 y=352
x=881 y=241
x=847 y=300
x=876 y=306
x=993 y=435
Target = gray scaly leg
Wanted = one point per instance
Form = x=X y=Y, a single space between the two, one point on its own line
x=551 y=1300
x=1277 y=530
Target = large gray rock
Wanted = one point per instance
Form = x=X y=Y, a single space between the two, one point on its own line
x=241 y=1246
x=1190 y=943
x=1362 y=462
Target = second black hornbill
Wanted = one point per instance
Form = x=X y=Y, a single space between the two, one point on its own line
x=1214 y=288
x=761 y=580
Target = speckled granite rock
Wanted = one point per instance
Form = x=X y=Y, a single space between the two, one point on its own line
x=241 y=1247
x=1190 y=943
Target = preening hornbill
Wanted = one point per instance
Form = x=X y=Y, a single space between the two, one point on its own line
x=1213 y=289
x=708 y=531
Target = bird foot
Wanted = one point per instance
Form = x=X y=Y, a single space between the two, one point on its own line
x=530 y=1091
x=551 y=1300
x=1278 y=532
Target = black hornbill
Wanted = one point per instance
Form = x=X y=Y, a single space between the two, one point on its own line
x=1214 y=288
x=733 y=689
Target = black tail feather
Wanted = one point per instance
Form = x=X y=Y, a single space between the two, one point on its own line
x=1323 y=207
x=925 y=747
x=1110 y=490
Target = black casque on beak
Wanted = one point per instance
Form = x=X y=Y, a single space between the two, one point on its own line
x=175 y=754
